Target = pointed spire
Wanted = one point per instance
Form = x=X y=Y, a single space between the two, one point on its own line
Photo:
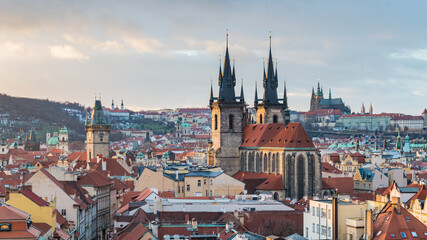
x=285 y=96
x=226 y=79
x=256 y=94
x=371 y=110
x=362 y=109
x=211 y=98
x=330 y=94
x=242 y=96
x=319 y=91
x=270 y=82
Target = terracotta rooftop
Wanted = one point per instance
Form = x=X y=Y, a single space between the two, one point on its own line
x=395 y=222
x=276 y=135
x=94 y=178
x=34 y=197
x=340 y=184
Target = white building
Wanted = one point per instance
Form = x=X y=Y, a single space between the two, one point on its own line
x=319 y=219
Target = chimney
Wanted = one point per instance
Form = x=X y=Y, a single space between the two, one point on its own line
x=104 y=165
x=369 y=228
x=154 y=226
x=396 y=201
x=335 y=218
x=194 y=224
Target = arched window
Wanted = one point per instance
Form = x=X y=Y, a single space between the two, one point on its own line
x=275 y=119
x=230 y=121
x=260 y=118
x=216 y=122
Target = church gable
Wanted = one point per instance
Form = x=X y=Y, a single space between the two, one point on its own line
x=276 y=135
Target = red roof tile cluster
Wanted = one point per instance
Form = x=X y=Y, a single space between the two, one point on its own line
x=276 y=135
x=94 y=178
x=343 y=185
x=34 y=197
x=324 y=112
x=395 y=222
x=253 y=180
x=328 y=168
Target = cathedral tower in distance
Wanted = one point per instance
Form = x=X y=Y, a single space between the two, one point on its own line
x=229 y=117
x=97 y=133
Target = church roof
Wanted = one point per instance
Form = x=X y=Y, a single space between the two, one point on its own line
x=333 y=101
x=292 y=136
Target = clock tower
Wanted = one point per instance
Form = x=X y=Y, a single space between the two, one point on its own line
x=97 y=133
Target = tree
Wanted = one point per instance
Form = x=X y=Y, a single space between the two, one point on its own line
x=278 y=227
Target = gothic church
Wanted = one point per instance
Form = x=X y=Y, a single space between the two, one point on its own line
x=272 y=145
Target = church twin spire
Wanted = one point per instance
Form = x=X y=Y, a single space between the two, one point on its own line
x=227 y=83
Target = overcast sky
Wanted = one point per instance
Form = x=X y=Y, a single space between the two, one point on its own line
x=163 y=54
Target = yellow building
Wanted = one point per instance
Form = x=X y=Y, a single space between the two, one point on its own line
x=187 y=183
x=40 y=210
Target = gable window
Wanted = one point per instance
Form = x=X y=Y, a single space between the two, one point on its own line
x=64 y=212
x=5 y=227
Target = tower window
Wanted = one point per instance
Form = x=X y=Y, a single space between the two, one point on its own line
x=230 y=121
x=275 y=119
x=260 y=118
x=216 y=122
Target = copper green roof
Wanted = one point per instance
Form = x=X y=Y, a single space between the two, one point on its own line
x=97 y=116
x=53 y=141
x=63 y=130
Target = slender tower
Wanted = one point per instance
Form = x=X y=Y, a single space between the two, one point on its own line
x=229 y=117
x=97 y=133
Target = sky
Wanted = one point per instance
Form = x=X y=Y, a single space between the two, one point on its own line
x=165 y=54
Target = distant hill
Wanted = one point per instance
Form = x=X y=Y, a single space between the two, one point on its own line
x=21 y=114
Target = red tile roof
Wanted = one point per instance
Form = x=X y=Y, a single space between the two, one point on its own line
x=112 y=167
x=393 y=221
x=340 y=184
x=34 y=197
x=272 y=183
x=94 y=178
x=328 y=168
x=276 y=135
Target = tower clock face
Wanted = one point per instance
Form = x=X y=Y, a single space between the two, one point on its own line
x=101 y=135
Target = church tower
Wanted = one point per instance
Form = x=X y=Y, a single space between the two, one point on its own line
x=317 y=97
x=229 y=117
x=271 y=109
x=97 y=133
x=63 y=139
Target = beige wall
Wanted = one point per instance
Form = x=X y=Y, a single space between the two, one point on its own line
x=48 y=190
x=151 y=179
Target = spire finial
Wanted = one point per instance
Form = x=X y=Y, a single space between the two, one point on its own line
x=227 y=38
x=270 y=40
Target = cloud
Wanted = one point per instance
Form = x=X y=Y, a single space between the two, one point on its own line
x=418 y=54
x=109 y=45
x=14 y=48
x=418 y=93
x=67 y=52
x=141 y=44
